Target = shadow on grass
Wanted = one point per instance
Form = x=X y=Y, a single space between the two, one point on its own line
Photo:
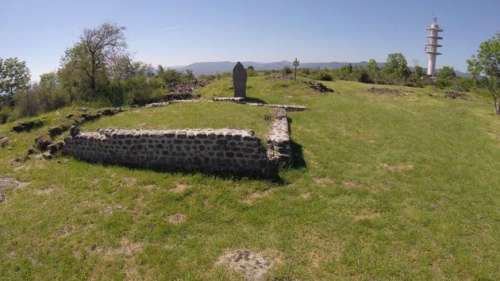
x=254 y=100
x=298 y=161
x=272 y=177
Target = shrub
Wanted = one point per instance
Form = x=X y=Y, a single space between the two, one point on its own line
x=323 y=76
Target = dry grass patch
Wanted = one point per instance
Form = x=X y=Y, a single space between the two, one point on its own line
x=306 y=195
x=129 y=181
x=252 y=265
x=177 y=218
x=365 y=215
x=179 y=188
x=324 y=182
x=402 y=167
x=255 y=196
x=44 y=191
x=10 y=183
x=350 y=184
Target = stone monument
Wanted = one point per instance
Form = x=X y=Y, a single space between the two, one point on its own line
x=239 y=80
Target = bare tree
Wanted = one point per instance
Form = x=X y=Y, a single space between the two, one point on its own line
x=103 y=45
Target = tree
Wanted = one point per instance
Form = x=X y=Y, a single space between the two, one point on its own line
x=445 y=76
x=396 y=67
x=373 y=69
x=487 y=63
x=474 y=68
x=286 y=71
x=14 y=76
x=251 y=70
x=94 y=58
x=419 y=72
x=296 y=64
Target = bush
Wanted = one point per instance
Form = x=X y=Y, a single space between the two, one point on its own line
x=323 y=76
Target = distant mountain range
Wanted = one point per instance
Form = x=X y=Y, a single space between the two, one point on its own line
x=201 y=68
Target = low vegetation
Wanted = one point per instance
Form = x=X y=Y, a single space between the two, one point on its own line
x=392 y=187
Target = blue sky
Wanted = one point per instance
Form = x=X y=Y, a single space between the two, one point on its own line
x=182 y=32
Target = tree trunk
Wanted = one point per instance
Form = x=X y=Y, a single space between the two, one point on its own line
x=93 y=83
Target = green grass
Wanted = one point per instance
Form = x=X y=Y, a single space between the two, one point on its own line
x=394 y=188
x=189 y=115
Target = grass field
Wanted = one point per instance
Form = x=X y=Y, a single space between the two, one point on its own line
x=393 y=188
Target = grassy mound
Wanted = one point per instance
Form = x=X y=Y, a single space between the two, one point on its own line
x=402 y=187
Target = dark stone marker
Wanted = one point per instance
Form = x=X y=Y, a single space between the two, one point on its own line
x=239 y=80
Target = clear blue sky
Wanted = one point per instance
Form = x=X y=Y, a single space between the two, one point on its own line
x=182 y=32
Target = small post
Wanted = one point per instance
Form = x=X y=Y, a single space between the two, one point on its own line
x=295 y=65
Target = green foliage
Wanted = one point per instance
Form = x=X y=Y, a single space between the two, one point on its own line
x=445 y=77
x=373 y=70
x=287 y=70
x=487 y=62
x=14 y=76
x=419 y=72
x=396 y=68
x=251 y=71
x=322 y=75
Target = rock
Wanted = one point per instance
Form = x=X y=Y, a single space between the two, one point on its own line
x=27 y=126
x=455 y=95
x=109 y=111
x=55 y=147
x=56 y=131
x=239 y=80
x=47 y=155
x=4 y=141
x=74 y=130
x=386 y=91
x=89 y=117
x=42 y=143
x=318 y=86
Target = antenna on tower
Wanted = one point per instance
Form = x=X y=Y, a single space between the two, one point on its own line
x=431 y=48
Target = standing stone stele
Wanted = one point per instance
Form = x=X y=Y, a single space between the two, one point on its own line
x=239 y=80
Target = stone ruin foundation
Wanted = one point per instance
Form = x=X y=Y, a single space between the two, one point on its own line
x=224 y=151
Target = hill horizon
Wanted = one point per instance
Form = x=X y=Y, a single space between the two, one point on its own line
x=214 y=67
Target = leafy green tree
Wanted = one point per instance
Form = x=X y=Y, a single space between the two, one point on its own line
x=419 y=72
x=474 y=68
x=373 y=69
x=487 y=63
x=14 y=76
x=396 y=67
x=445 y=77
x=287 y=71
x=251 y=70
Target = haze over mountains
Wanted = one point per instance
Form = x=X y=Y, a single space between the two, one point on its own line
x=203 y=68
x=200 y=68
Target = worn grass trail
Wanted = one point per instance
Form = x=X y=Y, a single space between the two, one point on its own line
x=393 y=188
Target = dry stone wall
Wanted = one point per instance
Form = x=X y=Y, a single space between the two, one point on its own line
x=208 y=150
x=279 y=142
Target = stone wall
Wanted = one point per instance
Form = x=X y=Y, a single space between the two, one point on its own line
x=240 y=100
x=208 y=150
x=278 y=141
